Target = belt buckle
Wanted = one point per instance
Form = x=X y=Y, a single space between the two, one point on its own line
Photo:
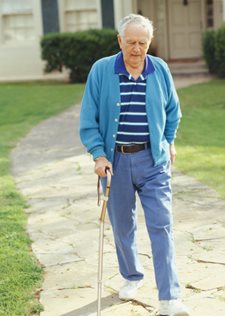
x=122 y=151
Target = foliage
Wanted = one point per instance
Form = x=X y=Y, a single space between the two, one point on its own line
x=220 y=51
x=78 y=51
x=209 y=50
x=214 y=51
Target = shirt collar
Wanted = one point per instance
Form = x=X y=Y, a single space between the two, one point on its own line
x=121 y=69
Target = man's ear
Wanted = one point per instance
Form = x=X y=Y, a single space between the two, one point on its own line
x=119 y=38
x=149 y=43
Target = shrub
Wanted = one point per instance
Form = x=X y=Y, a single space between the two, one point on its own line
x=209 y=50
x=214 y=51
x=220 y=52
x=78 y=51
x=51 y=52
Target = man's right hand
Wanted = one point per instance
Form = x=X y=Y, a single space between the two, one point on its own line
x=101 y=163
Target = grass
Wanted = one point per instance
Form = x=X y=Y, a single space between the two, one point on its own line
x=21 y=107
x=201 y=136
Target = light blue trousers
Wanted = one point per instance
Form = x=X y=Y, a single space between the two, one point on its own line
x=136 y=173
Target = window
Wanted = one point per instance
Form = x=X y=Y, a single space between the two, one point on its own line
x=80 y=15
x=209 y=14
x=17 y=20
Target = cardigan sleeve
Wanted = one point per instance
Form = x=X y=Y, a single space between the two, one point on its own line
x=173 y=112
x=89 y=116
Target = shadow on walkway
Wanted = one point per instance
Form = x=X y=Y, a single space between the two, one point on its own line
x=92 y=307
x=106 y=303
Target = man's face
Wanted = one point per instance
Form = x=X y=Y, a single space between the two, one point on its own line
x=134 y=45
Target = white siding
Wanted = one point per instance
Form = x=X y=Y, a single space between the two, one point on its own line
x=21 y=29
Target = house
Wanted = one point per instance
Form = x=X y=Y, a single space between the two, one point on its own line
x=179 y=25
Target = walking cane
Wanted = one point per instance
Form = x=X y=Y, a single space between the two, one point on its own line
x=101 y=240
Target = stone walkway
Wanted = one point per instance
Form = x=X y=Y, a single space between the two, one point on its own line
x=56 y=176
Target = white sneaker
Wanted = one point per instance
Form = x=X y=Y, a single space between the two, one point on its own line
x=129 y=289
x=172 y=308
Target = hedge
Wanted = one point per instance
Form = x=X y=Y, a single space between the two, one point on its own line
x=214 y=51
x=78 y=51
x=220 y=52
x=209 y=50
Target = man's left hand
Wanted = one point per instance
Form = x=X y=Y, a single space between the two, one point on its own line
x=173 y=153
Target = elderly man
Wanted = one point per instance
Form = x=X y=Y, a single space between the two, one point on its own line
x=129 y=117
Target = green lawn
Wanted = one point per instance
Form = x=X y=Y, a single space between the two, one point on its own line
x=21 y=107
x=201 y=137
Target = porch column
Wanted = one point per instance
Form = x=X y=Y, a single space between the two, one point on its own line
x=123 y=8
x=162 y=29
x=223 y=10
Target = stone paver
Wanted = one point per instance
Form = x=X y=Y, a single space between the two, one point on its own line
x=56 y=176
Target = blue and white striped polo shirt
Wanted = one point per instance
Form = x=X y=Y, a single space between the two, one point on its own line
x=133 y=124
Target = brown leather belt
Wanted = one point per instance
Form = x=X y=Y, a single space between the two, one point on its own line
x=129 y=149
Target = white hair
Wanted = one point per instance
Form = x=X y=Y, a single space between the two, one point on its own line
x=137 y=19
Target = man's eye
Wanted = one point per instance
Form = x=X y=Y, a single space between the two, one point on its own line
x=134 y=43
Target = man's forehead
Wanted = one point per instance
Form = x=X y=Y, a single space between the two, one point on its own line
x=136 y=27
x=134 y=30
x=135 y=38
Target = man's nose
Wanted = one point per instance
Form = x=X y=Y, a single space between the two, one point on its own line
x=136 y=47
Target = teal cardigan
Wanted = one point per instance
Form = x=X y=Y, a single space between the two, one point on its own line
x=100 y=109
